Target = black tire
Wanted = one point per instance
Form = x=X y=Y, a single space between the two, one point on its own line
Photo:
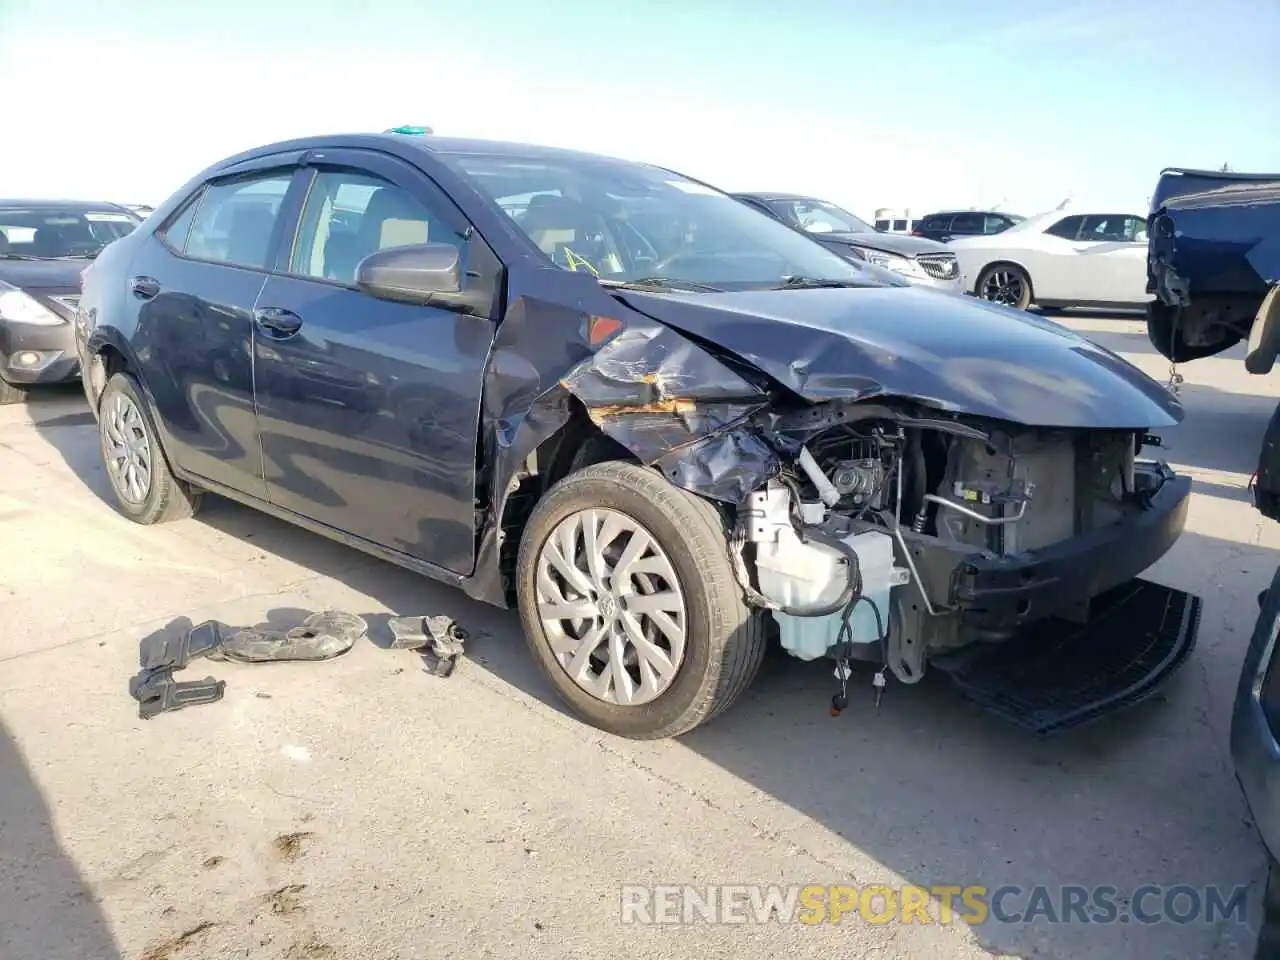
x=1027 y=296
x=167 y=498
x=725 y=640
x=11 y=393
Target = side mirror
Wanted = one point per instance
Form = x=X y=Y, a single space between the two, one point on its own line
x=411 y=274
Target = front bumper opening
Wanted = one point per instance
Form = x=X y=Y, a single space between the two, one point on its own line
x=1057 y=674
x=994 y=592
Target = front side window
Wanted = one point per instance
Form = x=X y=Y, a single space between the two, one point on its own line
x=237 y=219
x=996 y=223
x=350 y=214
x=818 y=216
x=625 y=222
x=60 y=233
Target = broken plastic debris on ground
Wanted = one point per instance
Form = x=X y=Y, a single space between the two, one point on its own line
x=318 y=637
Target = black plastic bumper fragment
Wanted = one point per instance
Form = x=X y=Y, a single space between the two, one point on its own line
x=157 y=692
x=321 y=636
x=1057 y=674
x=438 y=639
x=1001 y=591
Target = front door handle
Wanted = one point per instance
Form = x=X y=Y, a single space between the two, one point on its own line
x=144 y=288
x=277 y=322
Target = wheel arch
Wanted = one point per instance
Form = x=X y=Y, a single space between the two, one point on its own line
x=577 y=443
x=108 y=353
x=1005 y=262
x=108 y=357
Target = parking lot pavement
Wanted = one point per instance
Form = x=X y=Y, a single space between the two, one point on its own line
x=362 y=809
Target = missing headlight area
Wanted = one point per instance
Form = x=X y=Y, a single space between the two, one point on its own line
x=897 y=539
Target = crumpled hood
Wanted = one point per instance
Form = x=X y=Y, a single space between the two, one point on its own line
x=42 y=274
x=899 y=243
x=957 y=354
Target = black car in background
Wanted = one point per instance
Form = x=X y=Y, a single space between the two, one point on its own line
x=44 y=245
x=964 y=223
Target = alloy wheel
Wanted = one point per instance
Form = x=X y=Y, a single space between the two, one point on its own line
x=127 y=449
x=611 y=607
x=1003 y=286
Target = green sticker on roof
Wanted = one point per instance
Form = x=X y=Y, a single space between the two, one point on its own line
x=417 y=131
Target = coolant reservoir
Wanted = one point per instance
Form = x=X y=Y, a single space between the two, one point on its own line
x=803 y=575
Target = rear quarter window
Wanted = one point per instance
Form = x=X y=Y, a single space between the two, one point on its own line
x=1068 y=228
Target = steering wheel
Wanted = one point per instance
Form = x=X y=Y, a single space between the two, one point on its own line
x=629 y=233
x=695 y=263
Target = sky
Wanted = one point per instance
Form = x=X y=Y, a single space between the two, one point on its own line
x=1014 y=104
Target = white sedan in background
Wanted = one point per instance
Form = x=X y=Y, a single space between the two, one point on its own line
x=1059 y=259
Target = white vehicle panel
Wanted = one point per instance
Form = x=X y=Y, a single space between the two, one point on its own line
x=1075 y=268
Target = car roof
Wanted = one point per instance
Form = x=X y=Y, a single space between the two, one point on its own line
x=427 y=143
x=952 y=213
x=27 y=203
x=762 y=195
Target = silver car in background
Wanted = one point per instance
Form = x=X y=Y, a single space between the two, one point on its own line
x=1059 y=259
x=925 y=263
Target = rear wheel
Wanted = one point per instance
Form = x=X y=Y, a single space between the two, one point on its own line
x=1007 y=284
x=145 y=489
x=629 y=603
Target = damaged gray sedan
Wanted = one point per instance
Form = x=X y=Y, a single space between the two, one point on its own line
x=662 y=424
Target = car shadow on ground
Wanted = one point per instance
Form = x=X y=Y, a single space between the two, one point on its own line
x=47 y=909
x=1222 y=431
x=927 y=784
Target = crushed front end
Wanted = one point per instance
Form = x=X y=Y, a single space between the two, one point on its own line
x=904 y=537
x=883 y=503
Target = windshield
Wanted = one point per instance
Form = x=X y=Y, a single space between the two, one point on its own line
x=818 y=216
x=630 y=222
x=53 y=233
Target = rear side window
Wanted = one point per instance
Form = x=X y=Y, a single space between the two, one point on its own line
x=935 y=223
x=1067 y=228
x=968 y=223
x=236 y=220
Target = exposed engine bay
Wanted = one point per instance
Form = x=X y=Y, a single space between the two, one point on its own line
x=893 y=538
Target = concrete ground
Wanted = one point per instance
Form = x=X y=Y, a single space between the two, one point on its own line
x=363 y=810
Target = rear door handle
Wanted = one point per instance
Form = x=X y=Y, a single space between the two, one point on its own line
x=144 y=288
x=277 y=322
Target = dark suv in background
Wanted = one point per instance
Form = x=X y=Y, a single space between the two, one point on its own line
x=964 y=223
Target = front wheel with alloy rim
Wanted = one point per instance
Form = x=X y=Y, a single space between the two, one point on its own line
x=1005 y=283
x=145 y=490
x=629 y=602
